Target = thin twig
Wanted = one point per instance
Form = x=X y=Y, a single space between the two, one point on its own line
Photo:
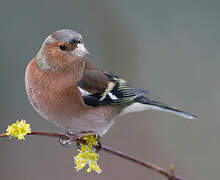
x=153 y=167
x=137 y=161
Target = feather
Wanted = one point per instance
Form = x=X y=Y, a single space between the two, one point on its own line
x=154 y=105
x=106 y=87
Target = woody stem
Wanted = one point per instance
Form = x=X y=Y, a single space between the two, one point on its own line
x=148 y=165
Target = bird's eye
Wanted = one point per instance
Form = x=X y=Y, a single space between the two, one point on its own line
x=63 y=47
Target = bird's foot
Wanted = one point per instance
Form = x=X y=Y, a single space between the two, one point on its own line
x=71 y=136
x=65 y=141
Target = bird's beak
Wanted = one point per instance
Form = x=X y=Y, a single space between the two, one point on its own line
x=82 y=50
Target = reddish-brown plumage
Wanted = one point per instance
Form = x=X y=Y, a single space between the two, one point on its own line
x=55 y=95
x=52 y=79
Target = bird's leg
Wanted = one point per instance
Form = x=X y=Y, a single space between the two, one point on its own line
x=73 y=136
x=66 y=142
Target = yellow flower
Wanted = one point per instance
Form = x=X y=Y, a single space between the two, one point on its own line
x=87 y=155
x=19 y=129
x=172 y=167
x=90 y=140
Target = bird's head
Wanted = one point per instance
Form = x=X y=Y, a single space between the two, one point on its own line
x=60 y=49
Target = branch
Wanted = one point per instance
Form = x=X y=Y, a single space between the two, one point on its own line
x=169 y=175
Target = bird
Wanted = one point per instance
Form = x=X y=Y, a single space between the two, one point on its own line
x=69 y=91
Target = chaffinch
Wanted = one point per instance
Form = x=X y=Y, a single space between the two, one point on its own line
x=75 y=95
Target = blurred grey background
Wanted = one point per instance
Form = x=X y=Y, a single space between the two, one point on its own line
x=170 y=48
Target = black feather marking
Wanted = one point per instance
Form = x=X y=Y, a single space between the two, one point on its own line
x=91 y=101
x=120 y=94
x=110 y=75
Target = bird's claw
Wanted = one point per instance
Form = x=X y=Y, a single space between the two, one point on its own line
x=65 y=142
x=69 y=137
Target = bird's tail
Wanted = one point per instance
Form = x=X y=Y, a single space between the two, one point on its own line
x=142 y=103
x=154 y=105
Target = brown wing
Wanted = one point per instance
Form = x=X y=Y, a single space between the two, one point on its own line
x=99 y=88
x=93 y=80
